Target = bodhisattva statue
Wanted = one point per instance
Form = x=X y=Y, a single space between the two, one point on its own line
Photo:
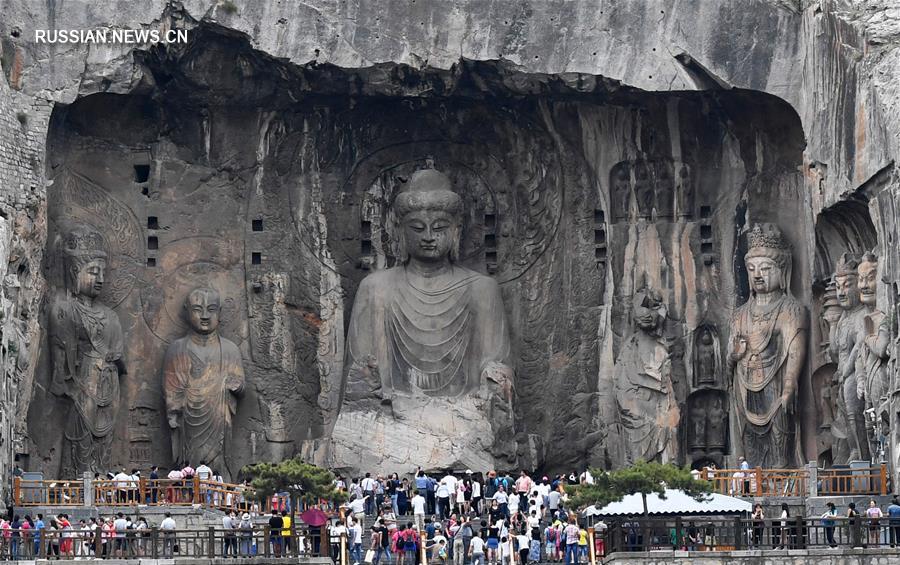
x=203 y=374
x=428 y=344
x=768 y=349
x=849 y=428
x=648 y=412
x=872 y=377
x=86 y=349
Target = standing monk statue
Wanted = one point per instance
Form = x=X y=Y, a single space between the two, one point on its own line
x=86 y=348
x=873 y=342
x=768 y=349
x=203 y=374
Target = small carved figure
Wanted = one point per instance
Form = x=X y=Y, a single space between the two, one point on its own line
x=665 y=189
x=717 y=428
x=648 y=412
x=643 y=189
x=697 y=435
x=203 y=373
x=685 y=189
x=86 y=349
x=620 y=191
x=768 y=349
x=706 y=366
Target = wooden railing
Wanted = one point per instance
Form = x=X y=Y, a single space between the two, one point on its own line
x=48 y=493
x=796 y=482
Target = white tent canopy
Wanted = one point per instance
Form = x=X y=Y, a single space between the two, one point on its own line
x=676 y=502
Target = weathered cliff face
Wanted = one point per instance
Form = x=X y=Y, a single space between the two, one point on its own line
x=264 y=153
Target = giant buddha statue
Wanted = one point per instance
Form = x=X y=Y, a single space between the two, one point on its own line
x=768 y=349
x=428 y=376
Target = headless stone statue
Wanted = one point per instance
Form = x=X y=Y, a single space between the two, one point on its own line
x=849 y=432
x=86 y=348
x=768 y=349
x=648 y=413
x=203 y=374
x=428 y=341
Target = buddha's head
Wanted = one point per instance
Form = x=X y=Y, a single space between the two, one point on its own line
x=429 y=214
x=868 y=279
x=83 y=250
x=846 y=281
x=768 y=260
x=202 y=306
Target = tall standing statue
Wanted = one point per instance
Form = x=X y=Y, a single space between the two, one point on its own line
x=648 y=412
x=427 y=351
x=768 y=349
x=873 y=379
x=849 y=428
x=203 y=374
x=86 y=349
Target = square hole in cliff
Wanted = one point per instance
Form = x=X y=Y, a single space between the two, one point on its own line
x=141 y=173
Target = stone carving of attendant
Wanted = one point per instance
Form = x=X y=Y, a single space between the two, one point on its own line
x=86 y=352
x=648 y=413
x=768 y=349
x=849 y=428
x=203 y=374
x=872 y=377
x=706 y=365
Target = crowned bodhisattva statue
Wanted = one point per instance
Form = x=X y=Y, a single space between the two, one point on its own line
x=768 y=349
x=427 y=351
x=86 y=354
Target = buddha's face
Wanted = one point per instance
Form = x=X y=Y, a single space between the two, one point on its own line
x=868 y=282
x=203 y=312
x=89 y=281
x=429 y=234
x=846 y=290
x=765 y=275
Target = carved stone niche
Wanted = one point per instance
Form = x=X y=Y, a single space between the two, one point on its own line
x=707 y=426
x=658 y=188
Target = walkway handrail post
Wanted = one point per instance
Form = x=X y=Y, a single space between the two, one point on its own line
x=154 y=541
x=759 y=477
x=422 y=552
x=738 y=533
x=266 y=541
x=211 y=539
x=87 y=484
x=196 y=481
x=17 y=491
x=813 y=472
x=883 y=479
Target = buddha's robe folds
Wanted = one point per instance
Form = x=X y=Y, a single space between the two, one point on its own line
x=201 y=380
x=434 y=341
x=769 y=430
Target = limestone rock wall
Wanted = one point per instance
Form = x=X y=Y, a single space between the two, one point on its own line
x=833 y=63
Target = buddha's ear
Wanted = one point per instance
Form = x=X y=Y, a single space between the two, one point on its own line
x=454 y=245
x=402 y=248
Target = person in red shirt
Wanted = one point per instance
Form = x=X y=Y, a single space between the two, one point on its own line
x=523 y=487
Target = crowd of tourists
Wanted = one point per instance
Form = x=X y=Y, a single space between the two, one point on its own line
x=464 y=519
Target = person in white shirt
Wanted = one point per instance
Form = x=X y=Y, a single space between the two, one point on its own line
x=476 y=550
x=368 y=489
x=442 y=495
x=122 y=481
x=357 y=507
x=354 y=536
x=418 y=505
x=450 y=481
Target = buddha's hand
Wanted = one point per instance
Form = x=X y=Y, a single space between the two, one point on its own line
x=173 y=421
x=738 y=347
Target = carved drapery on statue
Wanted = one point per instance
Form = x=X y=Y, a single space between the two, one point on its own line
x=848 y=430
x=647 y=410
x=427 y=348
x=768 y=348
x=872 y=376
x=203 y=372
x=86 y=347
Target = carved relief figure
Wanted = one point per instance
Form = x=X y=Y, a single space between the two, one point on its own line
x=665 y=189
x=685 y=188
x=647 y=410
x=849 y=428
x=620 y=191
x=873 y=379
x=768 y=348
x=86 y=349
x=717 y=427
x=706 y=358
x=643 y=189
x=203 y=374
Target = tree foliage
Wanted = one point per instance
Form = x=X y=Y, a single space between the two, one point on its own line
x=641 y=478
x=301 y=480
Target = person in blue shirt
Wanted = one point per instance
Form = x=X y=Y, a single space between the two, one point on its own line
x=38 y=526
x=893 y=512
x=828 y=522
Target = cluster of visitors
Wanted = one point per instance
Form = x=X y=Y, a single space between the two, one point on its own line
x=111 y=536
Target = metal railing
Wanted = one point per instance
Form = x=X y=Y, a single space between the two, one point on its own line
x=162 y=544
x=726 y=534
